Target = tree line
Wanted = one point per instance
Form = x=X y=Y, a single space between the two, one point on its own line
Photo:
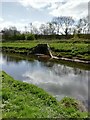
x=59 y=27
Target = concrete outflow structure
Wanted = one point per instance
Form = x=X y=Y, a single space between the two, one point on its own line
x=41 y=50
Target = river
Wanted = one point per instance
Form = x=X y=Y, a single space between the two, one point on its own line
x=59 y=80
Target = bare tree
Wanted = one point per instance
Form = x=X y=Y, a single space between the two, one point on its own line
x=50 y=28
x=30 y=27
x=43 y=29
x=9 y=32
x=86 y=25
x=56 y=24
x=82 y=25
x=64 y=24
x=35 y=30
x=47 y=29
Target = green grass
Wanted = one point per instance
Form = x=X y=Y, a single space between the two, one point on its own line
x=23 y=100
x=79 y=50
x=70 y=49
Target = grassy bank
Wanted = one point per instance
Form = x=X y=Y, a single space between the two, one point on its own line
x=23 y=100
x=70 y=49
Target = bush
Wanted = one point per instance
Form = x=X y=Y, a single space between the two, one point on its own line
x=30 y=37
x=20 y=37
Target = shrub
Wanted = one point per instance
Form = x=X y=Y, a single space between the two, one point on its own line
x=30 y=37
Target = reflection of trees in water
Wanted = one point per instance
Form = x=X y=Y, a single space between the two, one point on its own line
x=11 y=59
x=56 y=68
x=60 y=70
x=64 y=70
x=4 y=56
x=48 y=64
x=77 y=71
x=15 y=59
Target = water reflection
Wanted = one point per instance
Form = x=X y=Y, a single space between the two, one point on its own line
x=59 y=80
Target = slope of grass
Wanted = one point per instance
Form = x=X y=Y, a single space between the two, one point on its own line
x=79 y=50
x=70 y=49
x=23 y=100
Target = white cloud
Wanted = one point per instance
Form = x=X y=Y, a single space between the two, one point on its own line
x=1 y=19
x=38 y=3
x=75 y=8
x=37 y=24
x=9 y=0
x=20 y=25
x=24 y=20
x=7 y=24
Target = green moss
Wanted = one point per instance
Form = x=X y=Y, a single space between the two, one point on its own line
x=23 y=100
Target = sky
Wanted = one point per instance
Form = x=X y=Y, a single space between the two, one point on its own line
x=21 y=13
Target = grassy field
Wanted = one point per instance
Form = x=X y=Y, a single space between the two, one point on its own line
x=69 y=49
x=23 y=100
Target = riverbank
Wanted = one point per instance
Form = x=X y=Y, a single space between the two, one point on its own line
x=77 y=51
x=20 y=57
x=23 y=100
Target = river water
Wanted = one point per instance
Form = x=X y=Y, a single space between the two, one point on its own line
x=57 y=79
